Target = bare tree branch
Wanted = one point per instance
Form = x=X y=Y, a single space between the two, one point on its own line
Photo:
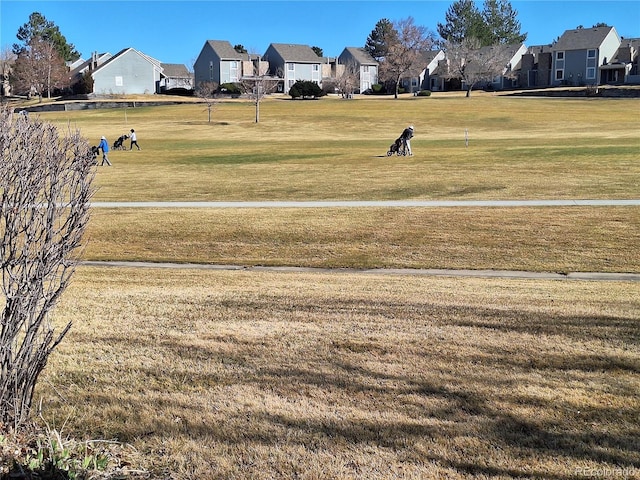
x=45 y=189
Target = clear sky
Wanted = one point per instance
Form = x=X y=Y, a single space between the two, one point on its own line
x=175 y=31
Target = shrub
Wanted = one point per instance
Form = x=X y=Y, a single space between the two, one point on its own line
x=230 y=89
x=305 y=89
x=424 y=93
x=378 y=89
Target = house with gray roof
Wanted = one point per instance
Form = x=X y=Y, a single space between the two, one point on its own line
x=175 y=78
x=292 y=63
x=428 y=78
x=127 y=72
x=219 y=62
x=578 y=55
x=623 y=66
x=363 y=63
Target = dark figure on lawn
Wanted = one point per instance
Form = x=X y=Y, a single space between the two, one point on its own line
x=406 y=137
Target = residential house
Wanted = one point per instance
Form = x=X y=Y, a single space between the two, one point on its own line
x=292 y=63
x=578 y=55
x=175 y=78
x=623 y=66
x=428 y=77
x=424 y=76
x=363 y=64
x=535 y=70
x=509 y=78
x=78 y=68
x=127 y=72
x=219 y=62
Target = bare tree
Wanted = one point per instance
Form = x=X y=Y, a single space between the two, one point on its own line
x=207 y=92
x=40 y=69
x=45 y=189
x=260 y=84
x=349 y=80
x=7 y=60
x=403 y=52
x=473 y=65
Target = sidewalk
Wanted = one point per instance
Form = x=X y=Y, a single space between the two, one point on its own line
x=585 y=276
x=374 y=204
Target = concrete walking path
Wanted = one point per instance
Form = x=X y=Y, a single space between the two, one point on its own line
x=373 y=203
x=513 y=274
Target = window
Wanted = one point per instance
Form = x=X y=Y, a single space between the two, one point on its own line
x=559 y=74
x=290 y=67
x=119 y=81
x=591 y=53
x=559 y=55
x=316 y=67
x=591 y=73
x=365 y=68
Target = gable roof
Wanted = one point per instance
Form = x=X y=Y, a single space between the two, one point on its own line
x=296 y=53
x=175 y=70
x=225 y=51
x=582 y=38
x=361 y=56
x=149 y=59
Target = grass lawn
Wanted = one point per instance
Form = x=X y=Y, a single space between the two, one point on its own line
x=334 y=376
x=238 y=374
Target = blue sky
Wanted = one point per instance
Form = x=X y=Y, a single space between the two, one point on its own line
x=175 y=31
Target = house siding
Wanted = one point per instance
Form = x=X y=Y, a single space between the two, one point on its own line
x=129 y=73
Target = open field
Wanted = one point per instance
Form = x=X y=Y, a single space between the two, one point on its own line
x=520 y=148
x=263 y=375
x=319 y=376
x=539 y=239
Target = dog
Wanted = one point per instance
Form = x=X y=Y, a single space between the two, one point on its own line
x=95 y=151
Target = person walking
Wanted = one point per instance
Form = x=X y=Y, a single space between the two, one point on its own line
x=104 y=146
x=134 y=140
x=406 y=136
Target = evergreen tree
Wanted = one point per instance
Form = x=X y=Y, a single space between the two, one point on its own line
x=501 y=24
x=463 y=20
x=496 y=24
x=39 y=28
x=378 y=41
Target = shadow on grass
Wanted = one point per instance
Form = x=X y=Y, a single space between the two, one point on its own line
x=440 y=406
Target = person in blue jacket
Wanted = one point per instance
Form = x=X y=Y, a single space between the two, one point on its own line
x=104 y=146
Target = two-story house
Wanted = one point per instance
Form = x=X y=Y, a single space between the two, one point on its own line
x=579 y=54
x=127 y=72
x=292 y=63
x=363 y=63
x=219 y=62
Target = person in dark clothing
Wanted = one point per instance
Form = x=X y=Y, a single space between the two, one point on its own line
x=406 y=137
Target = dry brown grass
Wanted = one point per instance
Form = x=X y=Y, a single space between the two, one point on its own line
x=317 y=376
x=539 y=239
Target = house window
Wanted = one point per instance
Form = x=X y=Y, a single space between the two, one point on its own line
x=560 y=74
x=211 y=71
x=316 y=67
x=119 y=81
x=591 y=53
x=591 y=73
x=290 y=67
x=559 y=55
x=365 y=68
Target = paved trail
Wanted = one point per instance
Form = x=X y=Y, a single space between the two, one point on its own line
x=374 y=204
x=599 y=276
x=592 y=276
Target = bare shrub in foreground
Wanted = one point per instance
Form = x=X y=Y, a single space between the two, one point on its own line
x=45 y=188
